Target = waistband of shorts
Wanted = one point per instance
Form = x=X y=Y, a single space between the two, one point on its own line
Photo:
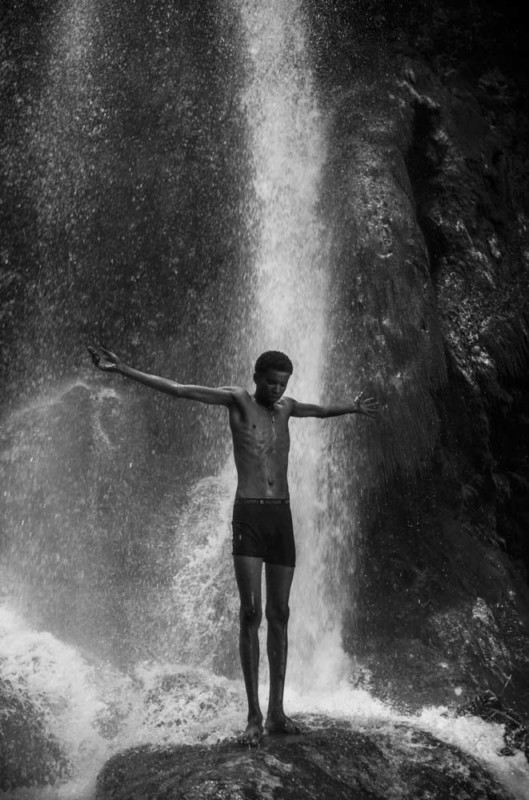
x=265 y=501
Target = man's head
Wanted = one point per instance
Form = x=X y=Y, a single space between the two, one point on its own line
x=272 y=371
x=273 y=359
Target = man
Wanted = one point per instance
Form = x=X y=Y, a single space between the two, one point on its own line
x=262 y=523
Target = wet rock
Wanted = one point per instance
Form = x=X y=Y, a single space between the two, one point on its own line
x=490 y=707
x=29 y=754
x=327 y=761
x=424 y=198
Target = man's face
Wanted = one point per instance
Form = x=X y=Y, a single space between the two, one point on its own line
x=270 y=385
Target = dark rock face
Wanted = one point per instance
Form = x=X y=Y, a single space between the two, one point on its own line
x=461 y=518
x=427 y=203
x=325 y=763
x=29 y=754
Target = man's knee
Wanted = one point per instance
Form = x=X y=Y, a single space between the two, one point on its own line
x=277 y=614
x=251 y=615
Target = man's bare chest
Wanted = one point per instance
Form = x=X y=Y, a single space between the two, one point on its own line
x=262 y=429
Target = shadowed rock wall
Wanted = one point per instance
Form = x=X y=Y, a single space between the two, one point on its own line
x=427 y=203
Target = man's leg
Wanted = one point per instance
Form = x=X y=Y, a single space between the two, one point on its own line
x=248 y=571
x=278 y=583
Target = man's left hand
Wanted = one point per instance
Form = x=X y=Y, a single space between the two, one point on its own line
x=366 y=405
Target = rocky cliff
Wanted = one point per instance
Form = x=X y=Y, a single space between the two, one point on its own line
x=429 y=130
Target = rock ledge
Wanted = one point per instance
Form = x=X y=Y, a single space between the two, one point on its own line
x=328 y=762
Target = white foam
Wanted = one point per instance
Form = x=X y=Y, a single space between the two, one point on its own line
x=472 y=735
x=94 y=710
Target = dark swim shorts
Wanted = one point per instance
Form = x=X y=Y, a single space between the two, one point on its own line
x=262 y=528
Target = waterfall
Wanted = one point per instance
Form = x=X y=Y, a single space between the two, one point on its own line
x=168 y=162
x=287 y=271
x=113 y=544
x=287 y=135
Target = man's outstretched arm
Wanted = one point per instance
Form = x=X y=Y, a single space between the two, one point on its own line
x=107 y=361
x=360 y=405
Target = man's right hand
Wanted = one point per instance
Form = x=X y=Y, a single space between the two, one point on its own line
x=104 y=359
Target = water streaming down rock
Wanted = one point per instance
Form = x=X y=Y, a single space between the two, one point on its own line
x=288 y=151
x=188 y=177
x=102 y=548
x=98 y=481
x=288 y=275
x=122 y=226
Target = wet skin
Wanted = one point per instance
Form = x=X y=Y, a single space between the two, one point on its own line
x=261 y=439
x=261 y=442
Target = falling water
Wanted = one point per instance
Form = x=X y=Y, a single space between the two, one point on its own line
x=79 y=454
x=288 y=154
x=190 y=619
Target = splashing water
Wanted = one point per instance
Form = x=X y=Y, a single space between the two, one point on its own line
x=95 y=709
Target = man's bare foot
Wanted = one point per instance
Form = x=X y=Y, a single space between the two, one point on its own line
x=253 y=733
x=280 y=723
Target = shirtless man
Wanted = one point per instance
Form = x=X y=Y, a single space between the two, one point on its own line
x=262 y=523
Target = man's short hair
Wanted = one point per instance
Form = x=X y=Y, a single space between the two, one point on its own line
x=273 y=359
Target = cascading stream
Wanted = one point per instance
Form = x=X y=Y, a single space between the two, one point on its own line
x=105 y=553
x=288 y=152
x=289 y=276
x=194 y=619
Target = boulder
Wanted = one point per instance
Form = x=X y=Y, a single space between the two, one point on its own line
x=29 y=754
x=329 y=761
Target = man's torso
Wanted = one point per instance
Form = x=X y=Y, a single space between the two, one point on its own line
x=261 y=443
